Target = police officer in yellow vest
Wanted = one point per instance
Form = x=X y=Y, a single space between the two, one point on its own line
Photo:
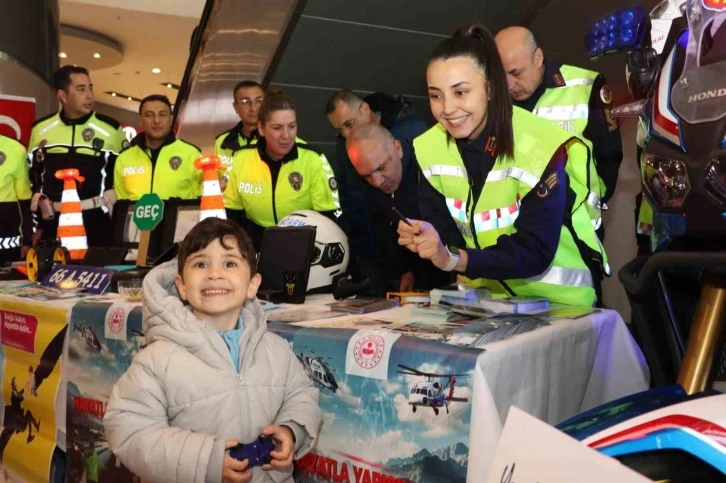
x=248 y=97
x=76 y=137
x=157 y=162
x=16 y=228
x=278 y=175
x=496 y=201
x=577 y=100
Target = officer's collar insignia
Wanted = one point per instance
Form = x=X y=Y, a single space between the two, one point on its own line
x=544 y=187
x=296 y=180
x=88 y=134
x=98 y=144
x=558 y=80
x=491 y=146
x=175 y=162
x=2 y=158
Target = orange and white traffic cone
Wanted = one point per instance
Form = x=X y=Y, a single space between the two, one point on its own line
x=71 y=231
x=212 y=205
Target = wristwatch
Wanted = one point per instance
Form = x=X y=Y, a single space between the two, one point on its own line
x=453 y=258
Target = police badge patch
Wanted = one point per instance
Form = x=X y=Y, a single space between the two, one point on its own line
x=296 y=180
x=88 y=134
x=175 y=162
x=605 y=95
x=98 y=144
x=2 y=158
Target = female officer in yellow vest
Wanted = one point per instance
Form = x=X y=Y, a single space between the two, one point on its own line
x=278 y=175
x=493 y=185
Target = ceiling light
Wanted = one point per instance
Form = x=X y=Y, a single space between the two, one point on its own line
x=113 y=94
x=156 y=70
x=129 y=98
x=168 y=86
x=97 y=55
x=62 y=55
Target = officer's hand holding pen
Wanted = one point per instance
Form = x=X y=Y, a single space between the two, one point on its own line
x=422 y=238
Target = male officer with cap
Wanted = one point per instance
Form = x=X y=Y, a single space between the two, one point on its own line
x=80 y=138
x=157 y=162
x=576 y=99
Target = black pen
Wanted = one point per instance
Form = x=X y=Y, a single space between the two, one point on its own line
x=403 y=218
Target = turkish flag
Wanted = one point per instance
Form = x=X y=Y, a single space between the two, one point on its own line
x=17 y=115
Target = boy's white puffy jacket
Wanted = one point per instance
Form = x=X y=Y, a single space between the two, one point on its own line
x=170 y=414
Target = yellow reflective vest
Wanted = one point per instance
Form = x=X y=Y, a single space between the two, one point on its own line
x=568 y=107
x=568 y=280
x=305 y=182
x=172 y=176
x=14 y=188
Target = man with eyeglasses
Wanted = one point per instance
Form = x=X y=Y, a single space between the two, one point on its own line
x=157 y=162
x=345 y=111
x=248 y=97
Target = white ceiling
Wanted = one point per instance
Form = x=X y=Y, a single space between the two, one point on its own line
x=149 y=37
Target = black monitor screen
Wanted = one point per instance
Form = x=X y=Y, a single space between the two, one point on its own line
x=285 y=249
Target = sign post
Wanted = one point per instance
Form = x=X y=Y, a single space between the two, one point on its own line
x=148 y=212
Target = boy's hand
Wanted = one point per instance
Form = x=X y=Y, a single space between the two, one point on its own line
x=282 y=458
x=233 y=471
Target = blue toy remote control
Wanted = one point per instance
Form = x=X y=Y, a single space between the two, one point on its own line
x=256 y=452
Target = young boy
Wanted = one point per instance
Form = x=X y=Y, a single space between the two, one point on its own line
x=211 y=376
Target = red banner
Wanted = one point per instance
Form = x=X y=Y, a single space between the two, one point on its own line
x=17 y=115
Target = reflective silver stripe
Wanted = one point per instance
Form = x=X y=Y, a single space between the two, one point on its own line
x=444 y=170
x=571 y=277
x=563 y=113
x=593 y=199
x=9 y=242
x=102 y=131
x=579 y=81
x=513 y=172
x=48 y=127
x=596 y=222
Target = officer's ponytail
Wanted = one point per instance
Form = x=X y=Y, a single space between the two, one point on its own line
x=273 y=103
x=476 y=43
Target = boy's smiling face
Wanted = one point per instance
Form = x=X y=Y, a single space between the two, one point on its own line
x=216 y=282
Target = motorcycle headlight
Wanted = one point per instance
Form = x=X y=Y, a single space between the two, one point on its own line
x=666 y=180
x=715 y=182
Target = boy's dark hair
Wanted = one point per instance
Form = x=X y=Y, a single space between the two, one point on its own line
x=157 y=98
x=245 y=83
x=273 y=103
x=476 y=43
x=62 y=77
x=346 y=96
x=210 y=229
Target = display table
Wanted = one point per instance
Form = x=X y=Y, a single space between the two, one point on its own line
x=396 y=408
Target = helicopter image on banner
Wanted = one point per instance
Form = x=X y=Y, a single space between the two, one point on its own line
x=430 y=393
x=318 y=370
x=89 y=336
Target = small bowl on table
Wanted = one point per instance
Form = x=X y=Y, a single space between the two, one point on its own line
x=130 y=289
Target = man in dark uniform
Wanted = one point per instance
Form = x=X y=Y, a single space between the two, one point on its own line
x=345 y=111
x=388 y=166
x=76 y=137
x=575 y=99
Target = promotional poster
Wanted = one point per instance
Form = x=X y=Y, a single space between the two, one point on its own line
x=396 y=409
x=31 y=375
x=103 y=340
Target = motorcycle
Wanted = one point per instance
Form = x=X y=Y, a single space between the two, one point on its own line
x=676 y=71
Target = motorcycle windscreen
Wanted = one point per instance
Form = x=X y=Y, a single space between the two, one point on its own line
x=699 y=95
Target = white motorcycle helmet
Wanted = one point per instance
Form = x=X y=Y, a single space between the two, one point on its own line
x=330 y=255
